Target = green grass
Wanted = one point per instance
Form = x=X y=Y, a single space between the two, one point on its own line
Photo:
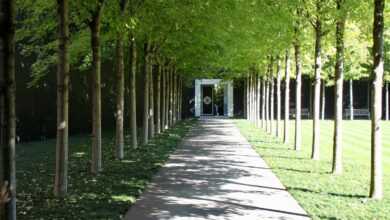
x=107 y=196
x=323 y=195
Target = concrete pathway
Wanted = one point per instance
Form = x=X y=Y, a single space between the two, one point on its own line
x=215 y=174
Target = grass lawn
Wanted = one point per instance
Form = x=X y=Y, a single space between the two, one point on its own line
x=321 y=194
x=107 y=196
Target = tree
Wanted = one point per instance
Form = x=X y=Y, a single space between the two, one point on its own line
x=94 y=25
x=287 y=99
x=278 y=97
x=339 y=73
x=7 y=102
x=298 y=92
x=376 y=188
x=120 y=86
x=61 y=174
x=133 y=101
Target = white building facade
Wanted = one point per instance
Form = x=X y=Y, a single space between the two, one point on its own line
x=214 y=97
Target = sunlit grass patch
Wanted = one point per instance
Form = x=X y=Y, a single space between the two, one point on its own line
x=323 y=195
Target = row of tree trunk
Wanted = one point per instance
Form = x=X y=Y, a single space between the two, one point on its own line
x=162 y=104
x=267 y=104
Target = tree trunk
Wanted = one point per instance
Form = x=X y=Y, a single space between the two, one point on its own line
x=323 y=100
x=151 y=99
x=317 y=92
x=145 y=123
x=298 y=93
x=7 y=97
x=376 y=189
x=272 y=103
x=133 y=95
x=61 y=175
x=258 y=101
x=163 y=97
x=263 y=101
x=278 y=98
x=168 y=109
x=250 y=97
x=174 y=103
x=337 y=166
x=267 y=106
x=171 y=97
x=351 y=116
x=158 y=100
x=287 y=100
x=387 y=101
x=120 y=99
x=96 y=163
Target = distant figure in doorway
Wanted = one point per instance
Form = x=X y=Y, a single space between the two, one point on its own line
x=216 y=112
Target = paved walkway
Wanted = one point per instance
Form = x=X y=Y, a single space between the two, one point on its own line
x=215 y=174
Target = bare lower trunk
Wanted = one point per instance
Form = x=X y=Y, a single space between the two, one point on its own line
x=337 y=165
x=317 y=92
x=376 y=188
x=387 y=101
x=323 y=100
x=96 y=163
x=133 y=95
x=258 y=100
x=145 y=122
x=151 y=100
x=298 y=92
x=171 y=97
x=7 y=98
x=287 y=100
x=267 y=106
x=163 y=94
x=120 y=97
x=272 y=105
x=351 y=116
x=263 y=101
x=174 y=104
x=158 y=100
x=278 y=99
x=61 y=175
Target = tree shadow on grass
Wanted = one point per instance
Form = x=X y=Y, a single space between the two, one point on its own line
x=344 y=195
x=105 y=196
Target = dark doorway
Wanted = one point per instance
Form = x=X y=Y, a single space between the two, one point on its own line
x=207 y=100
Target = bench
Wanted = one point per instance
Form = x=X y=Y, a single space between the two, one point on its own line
x=304 y=113
x=357 y=112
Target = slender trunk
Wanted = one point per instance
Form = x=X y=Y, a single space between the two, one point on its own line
x=287 y=100
x=387 y=101
x=120 y=99
x=298 y=93
x=168 y=108
x=278 y=99
x=96 y=163
x=337 y=166
x=245 y=98
x=267 y=106
x=133 y=95
x=61 y=176
x=250 y=97
x=7 y=97
x=258 y=101
x=376 y=189
x=263 y=101
x=174 y=103
x=323 y=100
x=351 y=116
x=163 y=96
x=272 y=103
x=171 y=97
x=151 y=100
x=317 y=92
x=145 y=124
x=158 y=100
x=179 y=99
